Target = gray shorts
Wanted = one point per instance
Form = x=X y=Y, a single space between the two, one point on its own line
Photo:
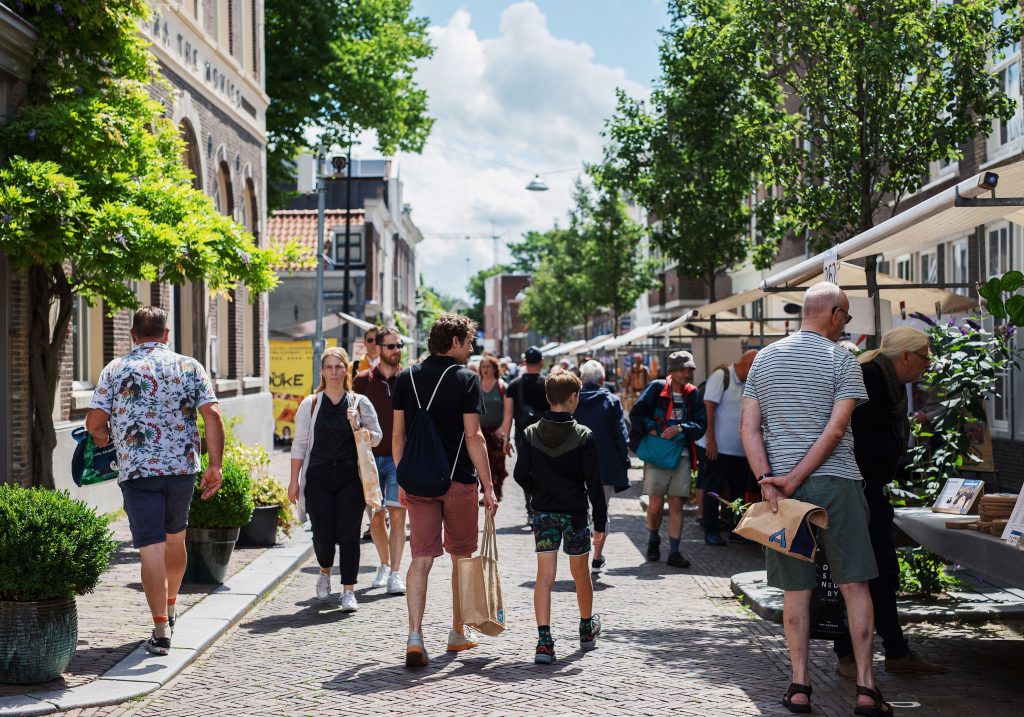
x=659 y=482
x=157 y=506
x=846 y=541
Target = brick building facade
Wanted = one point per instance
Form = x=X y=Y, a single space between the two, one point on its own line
x=211 y=54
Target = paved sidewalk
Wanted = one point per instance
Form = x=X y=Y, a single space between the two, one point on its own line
x=114 y=619
x=676 y=642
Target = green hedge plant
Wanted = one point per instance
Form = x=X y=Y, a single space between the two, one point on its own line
x=51 y=546
x=266 y=491
x=229 y=507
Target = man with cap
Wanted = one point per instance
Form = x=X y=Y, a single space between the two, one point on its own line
x=525 y=401
x=670 y=408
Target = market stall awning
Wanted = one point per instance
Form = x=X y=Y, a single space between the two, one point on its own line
x=638 y=334
x=545 y=347
x=933 y=218
x=331 y=322
x=595 y=342
x=731 y=324
x=559 y=349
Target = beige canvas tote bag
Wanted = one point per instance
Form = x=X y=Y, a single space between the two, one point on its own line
x=788 y=531
x=483 y=608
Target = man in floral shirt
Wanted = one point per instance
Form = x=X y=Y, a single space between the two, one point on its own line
x=146 y=403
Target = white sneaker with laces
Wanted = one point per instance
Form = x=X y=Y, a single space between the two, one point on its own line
x=348 y=602
x=395 y=584
x=383 y=573
x=323 y=586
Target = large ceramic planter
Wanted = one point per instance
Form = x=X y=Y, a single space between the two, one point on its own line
x=262 y=529
x=37 y=640
x=209 y=552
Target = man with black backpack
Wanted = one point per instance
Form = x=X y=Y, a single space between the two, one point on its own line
x=440 y=453
x=526 y=402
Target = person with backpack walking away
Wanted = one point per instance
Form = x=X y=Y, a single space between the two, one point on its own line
x=493 y=389
x=440 y=453
x=325 y=471
x=671 y=413
x=525 y=402
x=559 y=466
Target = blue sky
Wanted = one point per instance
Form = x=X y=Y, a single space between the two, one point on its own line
x=516 y=87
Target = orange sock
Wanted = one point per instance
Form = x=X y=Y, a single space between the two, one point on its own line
x=160 y=626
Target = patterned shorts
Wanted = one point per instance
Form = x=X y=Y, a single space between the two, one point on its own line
x=551 y=529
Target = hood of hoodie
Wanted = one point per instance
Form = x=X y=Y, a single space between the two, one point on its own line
x=593 y=395
x=554 y=432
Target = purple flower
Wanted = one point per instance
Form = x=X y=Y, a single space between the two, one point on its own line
x=973 y=324
x=963 y=330
x=58 y=9
x=951 y=322
x=78 y=91
x=921 y=317
x=31 y=135
x=1010 y=330
x=7 y=218
x=121 y=240
x=245 y=257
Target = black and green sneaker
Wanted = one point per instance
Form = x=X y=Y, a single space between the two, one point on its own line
x=545 y=654
x=158 y=645
x=589 y=630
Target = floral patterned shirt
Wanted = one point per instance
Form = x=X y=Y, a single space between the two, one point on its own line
x=153 y=396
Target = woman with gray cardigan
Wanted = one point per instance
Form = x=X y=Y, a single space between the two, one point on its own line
x=325 y=471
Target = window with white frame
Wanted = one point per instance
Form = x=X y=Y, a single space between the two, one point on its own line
x=1006 y=67
x=999 y=250
x=904 y=268
x=87 y=344
x=929 y=267
x=956 y=264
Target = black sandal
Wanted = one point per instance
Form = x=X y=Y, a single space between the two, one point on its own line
x=795 y=688
x=881 y=708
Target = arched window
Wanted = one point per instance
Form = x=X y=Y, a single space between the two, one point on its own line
x=253 y=349
x=191 y=154
x=224 y=197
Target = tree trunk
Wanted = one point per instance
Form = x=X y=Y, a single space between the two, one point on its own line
x=46 y=286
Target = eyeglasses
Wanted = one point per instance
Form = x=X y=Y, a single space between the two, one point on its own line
x=927 y=357
x=391 y=347
x=849 y=316
x=370 y=340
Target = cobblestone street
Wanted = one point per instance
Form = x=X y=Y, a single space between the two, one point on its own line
x=674 y=642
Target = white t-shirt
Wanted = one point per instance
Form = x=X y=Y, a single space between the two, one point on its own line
x=727 y=412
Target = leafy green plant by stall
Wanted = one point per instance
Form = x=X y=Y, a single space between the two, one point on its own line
x=266 y=491
x=229 y=507
x=968 y=360
x=51 y=546
x=923 y=574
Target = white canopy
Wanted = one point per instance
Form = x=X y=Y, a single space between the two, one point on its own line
x=638 y=334
x=331 y=322
x=565 y=348
x=935 y=217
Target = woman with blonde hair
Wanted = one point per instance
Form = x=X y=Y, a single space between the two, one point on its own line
x=880 y=433
x=325 y=471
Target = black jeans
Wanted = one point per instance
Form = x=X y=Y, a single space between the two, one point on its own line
x=729 y=477
x=883 y=589
x=335 y=505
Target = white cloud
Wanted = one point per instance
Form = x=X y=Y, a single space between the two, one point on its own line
x=505 y=107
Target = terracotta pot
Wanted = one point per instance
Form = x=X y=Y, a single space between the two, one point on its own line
x=37 y=639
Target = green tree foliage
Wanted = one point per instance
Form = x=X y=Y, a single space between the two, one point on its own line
x=618 y=272
x=692 y=154
x=94 y=194
x=337 y=68
x=429 y=305
x=561 y=292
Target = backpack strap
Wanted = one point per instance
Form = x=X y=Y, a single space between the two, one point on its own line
x=431 y=401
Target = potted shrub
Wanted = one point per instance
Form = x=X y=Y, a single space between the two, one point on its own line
x=273 y=510
x=213 y=524
x=52 y=548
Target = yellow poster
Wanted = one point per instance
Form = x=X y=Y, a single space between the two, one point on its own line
x=291 y=380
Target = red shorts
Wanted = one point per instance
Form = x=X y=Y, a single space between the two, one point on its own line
x=456 y=511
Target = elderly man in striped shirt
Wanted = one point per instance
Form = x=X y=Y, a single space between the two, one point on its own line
x=795 y=427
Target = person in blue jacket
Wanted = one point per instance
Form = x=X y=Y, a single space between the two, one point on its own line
x=601 y=411
x=672 y=409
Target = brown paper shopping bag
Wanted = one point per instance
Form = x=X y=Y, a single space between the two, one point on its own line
x=367 y=467
x=480 y=587
x=788 y=531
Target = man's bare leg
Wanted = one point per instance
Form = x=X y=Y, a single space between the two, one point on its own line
x=416 y=591
x=860 y=612
x=457 y=623
x=796 y=617
x=396 y=539
x=379 y=535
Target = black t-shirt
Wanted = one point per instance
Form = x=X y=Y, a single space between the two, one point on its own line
x=529 y=387
x=332 y=434
x=458 y=394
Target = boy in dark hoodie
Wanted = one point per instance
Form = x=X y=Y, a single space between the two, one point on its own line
x=558 y=466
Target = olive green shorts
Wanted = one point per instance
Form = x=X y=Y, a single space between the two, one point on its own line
x=846 y=541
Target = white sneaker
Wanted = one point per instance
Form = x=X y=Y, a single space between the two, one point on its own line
x=395 y=584
x=383 y=573
x=348 y=602
x=323 y=586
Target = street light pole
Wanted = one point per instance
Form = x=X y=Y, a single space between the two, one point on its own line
x=321 y=192
x=348 y=233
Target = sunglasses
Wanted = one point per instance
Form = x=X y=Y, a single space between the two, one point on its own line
x=849 y=316
x=392 y=347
